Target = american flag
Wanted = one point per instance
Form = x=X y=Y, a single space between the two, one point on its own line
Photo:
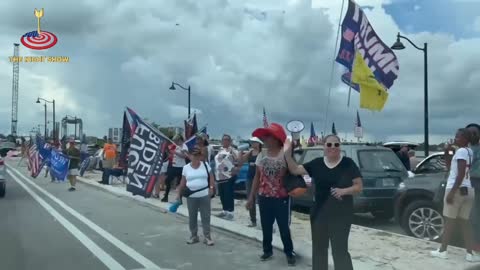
x=35 y=163
x=191 y=127
x=358 y=127
x=313 y=137
x=265 y=121
x=357 y=121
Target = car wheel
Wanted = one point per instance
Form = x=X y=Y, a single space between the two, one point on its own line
x=422 y=220
x=385 y=215
x=3 y=189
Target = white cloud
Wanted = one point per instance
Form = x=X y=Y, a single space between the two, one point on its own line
x=476 y=24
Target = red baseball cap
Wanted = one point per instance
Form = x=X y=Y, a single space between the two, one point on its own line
x=275 y=130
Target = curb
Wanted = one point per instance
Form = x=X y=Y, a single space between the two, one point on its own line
x=218 y=223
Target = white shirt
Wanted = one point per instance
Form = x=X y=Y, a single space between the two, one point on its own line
x=461 y=154
x=197 y=179
x=178 y=161
x=225 y=162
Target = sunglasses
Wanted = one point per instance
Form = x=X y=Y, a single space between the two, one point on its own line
x=330 y=145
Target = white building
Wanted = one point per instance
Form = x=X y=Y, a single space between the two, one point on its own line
x=115 y=134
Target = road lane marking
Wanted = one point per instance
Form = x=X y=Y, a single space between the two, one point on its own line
x=109 y=237
x=104 y=257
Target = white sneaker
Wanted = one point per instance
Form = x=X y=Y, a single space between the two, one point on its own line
x=438 y=254
x=222 y=214
x=229 y=216
x=472 y=257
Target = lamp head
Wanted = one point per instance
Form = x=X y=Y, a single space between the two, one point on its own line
x=38 y=100
x=398 y=45
x=173 y=86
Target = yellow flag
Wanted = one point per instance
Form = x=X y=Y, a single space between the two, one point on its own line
x=373 y=95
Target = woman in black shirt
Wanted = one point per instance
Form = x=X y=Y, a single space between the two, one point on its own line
x=336 y=179
x=251 y=157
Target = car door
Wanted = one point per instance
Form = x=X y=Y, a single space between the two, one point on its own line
x=430 y=173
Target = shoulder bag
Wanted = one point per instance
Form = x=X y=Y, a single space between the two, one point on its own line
x=188 y=192
x=294 y=184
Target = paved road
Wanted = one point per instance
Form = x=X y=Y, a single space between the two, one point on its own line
x=43 y=226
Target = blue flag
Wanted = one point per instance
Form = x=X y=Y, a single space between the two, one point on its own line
x=358 y=35
x=84 y=165
x=59 y=165
x=192 y=141
x=43 y=148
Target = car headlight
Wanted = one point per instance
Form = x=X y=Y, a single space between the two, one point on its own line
x=402 y=186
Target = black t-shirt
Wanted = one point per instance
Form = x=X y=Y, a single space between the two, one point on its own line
x=251 y=166
x=325 y=179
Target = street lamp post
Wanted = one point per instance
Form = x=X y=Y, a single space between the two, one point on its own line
x=186 y=89
x=45 y=133
x=54 y=123
x=398 y=45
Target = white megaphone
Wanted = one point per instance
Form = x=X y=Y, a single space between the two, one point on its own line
x=295 y=127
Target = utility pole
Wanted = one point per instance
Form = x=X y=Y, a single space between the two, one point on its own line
x=16 y=69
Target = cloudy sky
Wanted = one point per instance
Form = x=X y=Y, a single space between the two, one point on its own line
x=238 y=56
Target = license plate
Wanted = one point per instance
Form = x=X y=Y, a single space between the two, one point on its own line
x=388 y=182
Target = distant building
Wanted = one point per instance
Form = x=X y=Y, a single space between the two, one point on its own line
x=176 y=130
x=115 y=134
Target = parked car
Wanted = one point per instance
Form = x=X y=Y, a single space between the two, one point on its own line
x=3 y=181
x=96 y=161
x=381 y=170
x=5 y=147
x=418 y=204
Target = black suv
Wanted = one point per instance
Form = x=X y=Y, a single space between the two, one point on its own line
x=419 y=201
x=382 y=174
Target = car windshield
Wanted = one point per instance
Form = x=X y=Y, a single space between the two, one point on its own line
x=312 y=154
x=379 y=160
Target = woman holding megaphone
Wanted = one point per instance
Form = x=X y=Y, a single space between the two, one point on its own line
x=336 y=179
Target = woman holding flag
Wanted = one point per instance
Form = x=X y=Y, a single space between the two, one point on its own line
x=178 y=154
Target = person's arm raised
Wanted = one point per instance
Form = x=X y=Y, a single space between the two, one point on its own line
x=293 y=167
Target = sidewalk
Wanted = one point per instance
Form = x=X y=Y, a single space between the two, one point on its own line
x=370 y=249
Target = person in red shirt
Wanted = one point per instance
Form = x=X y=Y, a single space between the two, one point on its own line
x=273 y=198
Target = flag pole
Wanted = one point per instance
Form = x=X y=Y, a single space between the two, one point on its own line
x=349 y=94
x=333 y=67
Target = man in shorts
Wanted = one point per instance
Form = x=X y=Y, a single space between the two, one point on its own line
x=74 y=154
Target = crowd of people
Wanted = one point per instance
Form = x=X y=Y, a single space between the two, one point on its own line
x=202 y=174
x=462 y=192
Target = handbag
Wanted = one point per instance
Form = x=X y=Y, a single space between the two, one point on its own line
x=294 y=184
x=188 y=192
